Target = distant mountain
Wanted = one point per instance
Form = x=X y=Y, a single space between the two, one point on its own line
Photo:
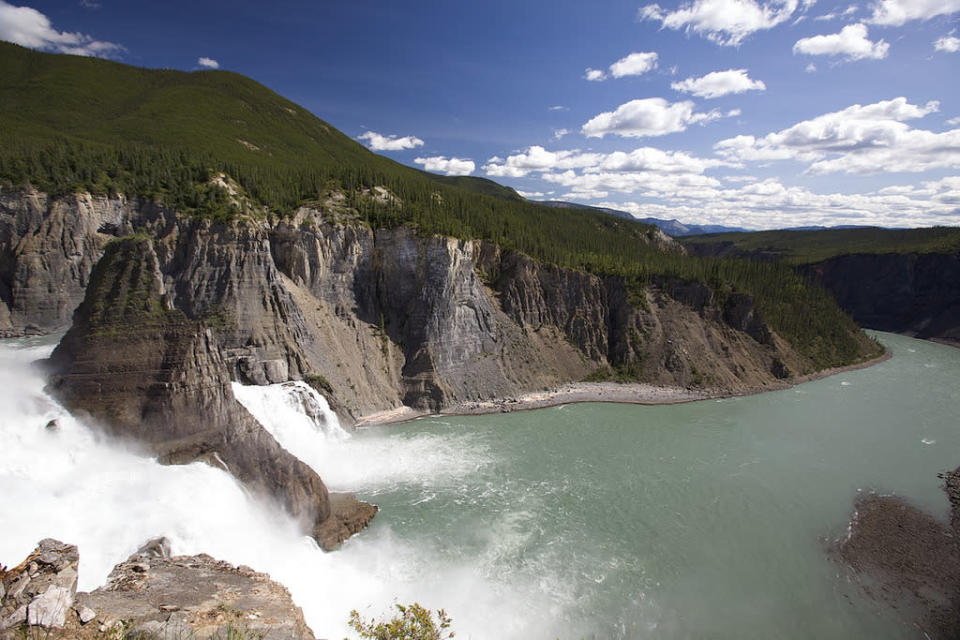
x=670 y=227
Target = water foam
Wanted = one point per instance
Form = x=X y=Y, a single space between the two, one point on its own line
x=70 y=483
x=301 y=421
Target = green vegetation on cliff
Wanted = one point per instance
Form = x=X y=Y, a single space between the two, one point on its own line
x=809 y=246
x=80 y=124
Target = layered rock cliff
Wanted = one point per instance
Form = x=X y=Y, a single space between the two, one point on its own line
x=386 y=318
x=153 y=376
x=914 y=294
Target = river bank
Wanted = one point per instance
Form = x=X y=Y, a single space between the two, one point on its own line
x=622 y=393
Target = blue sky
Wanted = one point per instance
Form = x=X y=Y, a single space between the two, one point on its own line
x=753 y=113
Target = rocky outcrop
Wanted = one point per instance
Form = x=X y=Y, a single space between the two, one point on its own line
x=388 y=318
x=155 y=377
x=914 y=294
x=150 y=595
x=47 y=250
x=910 y=559
x=40 y=590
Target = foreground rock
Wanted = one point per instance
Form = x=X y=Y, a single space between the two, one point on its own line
x=152 y=595
x=40 y=590
x=913 y=558
x=154 y=377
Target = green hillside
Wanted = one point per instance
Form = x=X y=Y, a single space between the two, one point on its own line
x=72 y=124
x=805 y=247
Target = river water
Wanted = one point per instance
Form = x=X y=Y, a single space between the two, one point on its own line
x=704 y=520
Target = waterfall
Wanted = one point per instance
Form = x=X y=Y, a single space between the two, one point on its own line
x=63 y=479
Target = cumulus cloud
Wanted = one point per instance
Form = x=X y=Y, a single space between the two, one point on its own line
x=649 y=117
x=897 y=12
x=30 y=28
x=810 y=68
x=635 y=64
x=536 y=158
x=725 y=22
x=852 y=43
x=719 y=83
x=769 y=204
x=559 y=133
x=589 y=175
x=948 y=44
x=447 y=166
x=594 y=75
x=379 y=142
x=859 y=139
x=208 y=63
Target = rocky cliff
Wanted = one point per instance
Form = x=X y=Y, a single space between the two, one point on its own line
x=150 y=595
x=380 y=319
x=155 y=377
x=914 y=294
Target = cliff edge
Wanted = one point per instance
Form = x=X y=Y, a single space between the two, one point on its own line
x=142 y=369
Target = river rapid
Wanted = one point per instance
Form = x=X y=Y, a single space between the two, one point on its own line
x=704 y=520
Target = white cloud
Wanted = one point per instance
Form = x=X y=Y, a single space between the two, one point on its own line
x=949 y=44
x=635 y=64
x=536 y=158
x=897 y=12
x=725 y=22
x=208 y=63
x=30 y=28
x=649 y=117
x=719 y=83
x=559 y=133
x=558 y=107
x=533 y=194
x=954 y=121
x=594 y=75
x=769 y=204
x=447 y=166
x=589 y=175
x=379 y=142
x=810 y=68
x=851 y=43
x=859 y=139
x=833 y=15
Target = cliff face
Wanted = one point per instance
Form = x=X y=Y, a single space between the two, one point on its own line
x=380 y=319
x=153 y=376
x=47 y=249
x=914 y=294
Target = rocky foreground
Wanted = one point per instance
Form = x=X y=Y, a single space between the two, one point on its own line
x=910 y=559
x=150 y=595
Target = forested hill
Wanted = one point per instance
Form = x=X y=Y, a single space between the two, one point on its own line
x=810 y=246
x=82 y=124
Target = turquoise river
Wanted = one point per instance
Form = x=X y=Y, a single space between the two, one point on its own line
x=710 y=519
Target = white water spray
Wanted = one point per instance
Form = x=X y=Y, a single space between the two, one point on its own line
x=69 y=483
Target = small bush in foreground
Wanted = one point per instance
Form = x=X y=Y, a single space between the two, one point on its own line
x=412 y=623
